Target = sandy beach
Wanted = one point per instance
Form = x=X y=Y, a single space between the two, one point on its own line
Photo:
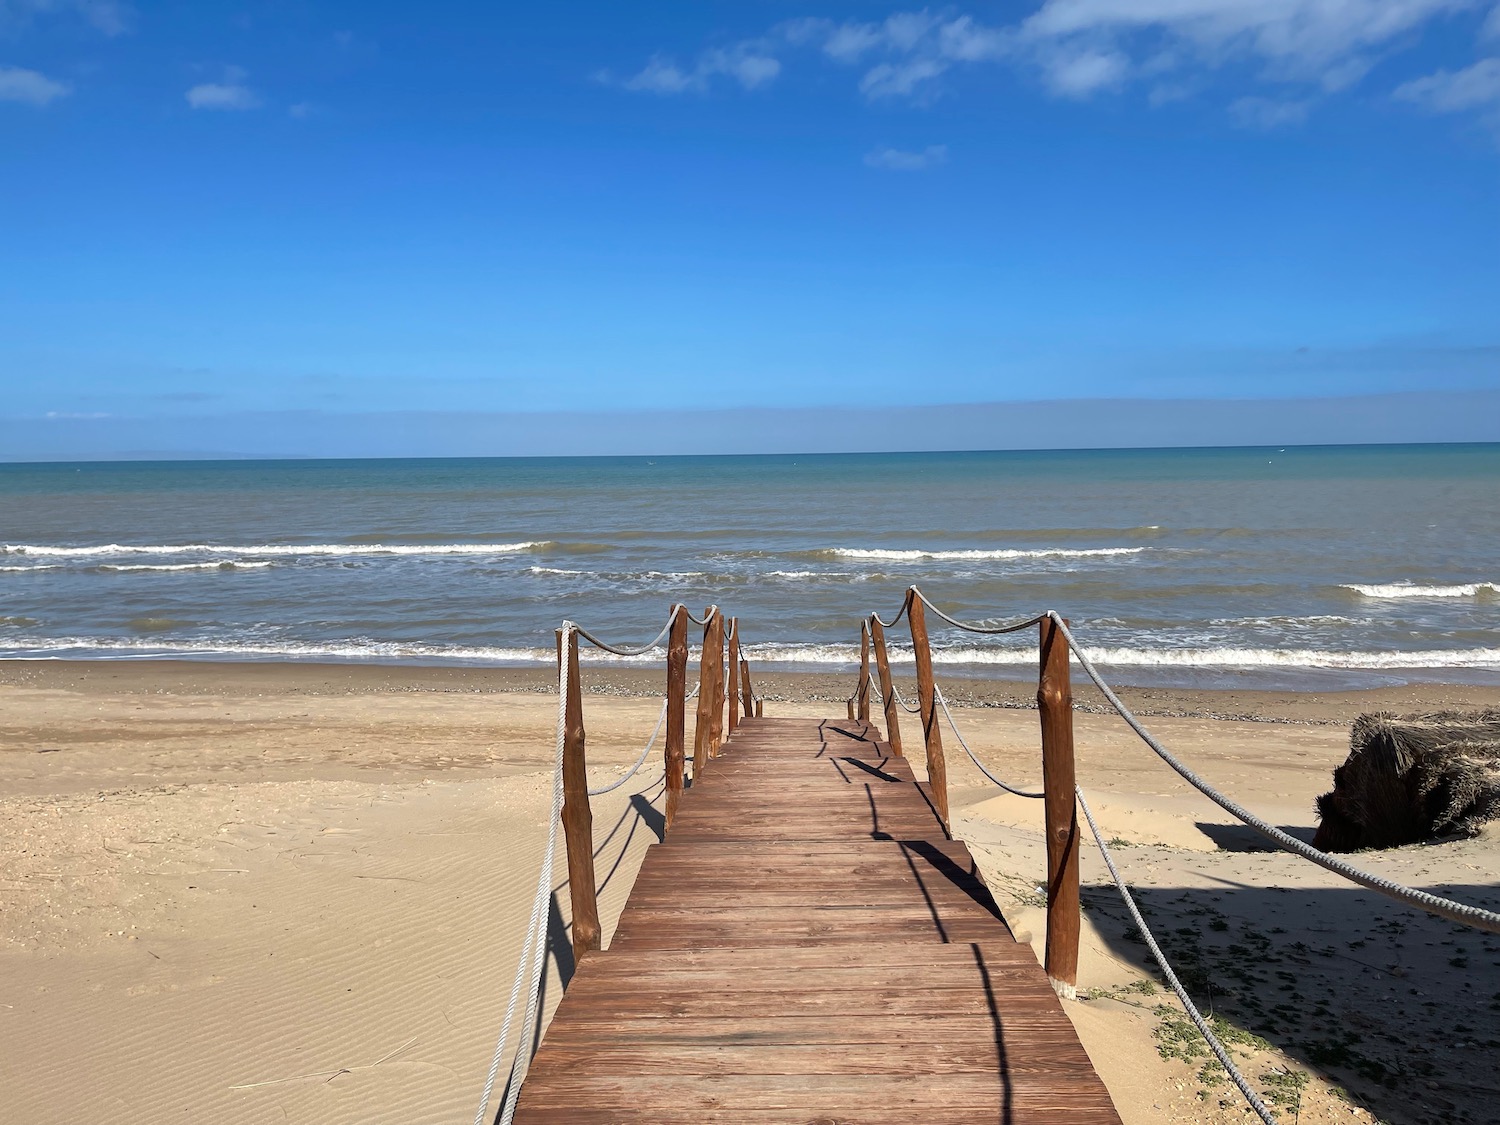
x=295 y=892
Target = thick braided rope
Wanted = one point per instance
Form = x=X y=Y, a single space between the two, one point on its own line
x=968 y=627
x=626 y=650
x=900 y=613
x=1468 y=915
x=639 y=762
x=896 y=695
x=1161 y=960
x=981 y=766
x=534 y=948
x=708 y=615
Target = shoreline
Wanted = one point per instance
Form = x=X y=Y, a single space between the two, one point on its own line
x=299 y=678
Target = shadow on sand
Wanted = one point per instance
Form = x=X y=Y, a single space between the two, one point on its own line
x=1398 y=1008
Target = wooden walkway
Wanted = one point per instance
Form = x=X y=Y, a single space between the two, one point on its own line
x=809 y=946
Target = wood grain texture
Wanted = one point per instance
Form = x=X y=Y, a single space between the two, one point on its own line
x=810 y=946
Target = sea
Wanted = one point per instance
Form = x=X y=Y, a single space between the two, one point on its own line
x=1298 y=568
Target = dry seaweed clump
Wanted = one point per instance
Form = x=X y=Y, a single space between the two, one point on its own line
x=1410 y=778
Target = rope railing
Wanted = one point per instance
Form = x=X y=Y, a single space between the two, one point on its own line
x=1462 y=913
x=571 y=793
x=1063 y=797
x=1170 y=974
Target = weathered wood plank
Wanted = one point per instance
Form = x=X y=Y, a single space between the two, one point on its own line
x=809 y=946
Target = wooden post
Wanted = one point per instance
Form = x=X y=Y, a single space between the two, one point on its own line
x=864 y=672
x=577 y=818
x=716 y=704
x=937 y=765
x=1054 y=698
x=732 y=704
x=677 y=657
x=747 y=694
x=760 y=709
x=887 y=690
x=705 y=692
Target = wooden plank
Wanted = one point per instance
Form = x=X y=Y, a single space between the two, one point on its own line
x=809 y=946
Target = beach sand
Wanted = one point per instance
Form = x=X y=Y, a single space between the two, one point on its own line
x=290 y=892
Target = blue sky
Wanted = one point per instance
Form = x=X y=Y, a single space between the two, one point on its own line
x=221 y=209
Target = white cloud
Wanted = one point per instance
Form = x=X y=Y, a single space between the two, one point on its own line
x=1080 y=48
x=1267 y=113
x=232 y=93
x=747 y=63
x=1474 y=87
x=888 y=80
x=108 y=16
x=29 y=86
x=897 y=160
x=1078 y=74
x=662 y=76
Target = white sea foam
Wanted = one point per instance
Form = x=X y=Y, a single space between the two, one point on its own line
x=359 y=648
x=124 y=568
x=1213 y=657
x=29 y=569
x=1410 y=590
x=1000 y=553
x=238 y=549
x=552 y=570
x=356 y=648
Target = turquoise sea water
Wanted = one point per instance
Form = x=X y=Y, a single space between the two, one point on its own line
x=1297 y=567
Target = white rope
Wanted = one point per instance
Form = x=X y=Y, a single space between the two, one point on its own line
x=535 y=947
x=1161 y=960
x=639 y=762
x=708 y=615
x=900 y=613
x=987 y=630
x=1447 y=908
x=959 y=735
x=625 y=650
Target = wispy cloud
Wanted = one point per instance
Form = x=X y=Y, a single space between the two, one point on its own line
x=29 y=86
x=898 y=160
x=108 y=16
x=230 y=94
x=1302 y=49
x=1475 y=87
x=1267 y=113
x=747 y=63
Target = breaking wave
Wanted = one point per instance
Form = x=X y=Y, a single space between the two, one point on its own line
x=1411 y=590
x=104 y=550
x=121 y=568
x=1217 y=657
x=999 y=553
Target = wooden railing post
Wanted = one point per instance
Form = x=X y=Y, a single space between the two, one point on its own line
x=864 y=672
x=716 y=704
x=702 y=727
x=577 y=819
x=747 y=694
x=937 y=766
x=887 y=691
x=731 y=700
x=677 y=657
x=1054 y=698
